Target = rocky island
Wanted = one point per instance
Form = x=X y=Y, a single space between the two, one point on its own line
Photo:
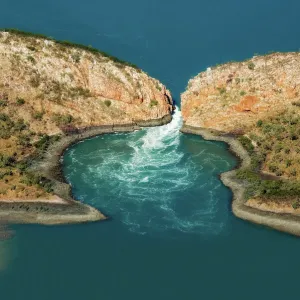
x=52 y=94
x=254 y=106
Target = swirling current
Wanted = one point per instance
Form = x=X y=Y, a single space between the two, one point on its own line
x=148 y=180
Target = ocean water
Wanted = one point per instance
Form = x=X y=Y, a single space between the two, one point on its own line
x=171 y=232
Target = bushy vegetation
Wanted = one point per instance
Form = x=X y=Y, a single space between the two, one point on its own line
x=61 y=120
x=33 y=179
x=251 y=66
x=268 y=188
x=20 y=101
x=277 y=150
x=6 y=160
x=107 y=103
x=221 y=90
x=23 y=146
x=38 y=115
x=153 y=103
x=9 y=127
x=79 y=91
x=3 y=103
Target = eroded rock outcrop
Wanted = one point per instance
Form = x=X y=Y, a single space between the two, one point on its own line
x=236 y=95
x=57 y=79
x=53 y=94
x=254 y=104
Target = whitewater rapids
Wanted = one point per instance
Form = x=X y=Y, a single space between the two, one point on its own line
x=149 y=181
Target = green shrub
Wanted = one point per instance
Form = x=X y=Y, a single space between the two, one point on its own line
x=3 y=103
x=278 y=148
x=247 y=144
x=38 y=115
x=24 y=140
x=31 y=59
x=31 y=48
x=20 y=125
x=5 y=173
x=107 y=103
x=222 y=90
x=22 y=166
x=60 y=119
x=296 y=204
x=80 y=91
x=33 y=179
x=251 y=66
x=45 y=141
x=4 y=117
x=259 y=123
x=6 y=160
x=247 y=174
x=20 y=101
x=242 y=93
x=153 y=103
x=273 y=168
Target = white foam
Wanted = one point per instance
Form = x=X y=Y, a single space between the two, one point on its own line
x=143 y=181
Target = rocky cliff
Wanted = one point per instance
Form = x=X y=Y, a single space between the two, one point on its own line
x=258 y=102
x=56 y=78
x=234 y=96
x=50 y=88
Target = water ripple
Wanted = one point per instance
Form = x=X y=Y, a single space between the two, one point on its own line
x=147 y=181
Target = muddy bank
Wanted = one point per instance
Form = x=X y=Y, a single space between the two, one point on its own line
x=282 y=222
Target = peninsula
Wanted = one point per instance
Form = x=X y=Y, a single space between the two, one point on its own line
x=52 y=94
x=254 y=106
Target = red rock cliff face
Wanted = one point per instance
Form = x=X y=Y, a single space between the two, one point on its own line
x=57 y=80
x=234 y=96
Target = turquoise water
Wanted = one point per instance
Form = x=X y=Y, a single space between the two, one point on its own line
x=171 y=234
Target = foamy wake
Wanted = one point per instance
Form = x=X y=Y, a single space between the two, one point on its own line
x=152 y=186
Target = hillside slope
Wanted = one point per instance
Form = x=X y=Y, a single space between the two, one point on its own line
x=48 y=88
x=258 y=102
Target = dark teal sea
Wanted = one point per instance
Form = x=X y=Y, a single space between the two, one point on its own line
x=172 y=234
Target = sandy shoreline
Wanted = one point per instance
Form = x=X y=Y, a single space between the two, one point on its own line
x=66 y=210
x=283 y=222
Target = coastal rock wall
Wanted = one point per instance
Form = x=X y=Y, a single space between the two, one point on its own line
x=254 y=107
x=234 y=96
x=53 y=94
x=54 y=79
